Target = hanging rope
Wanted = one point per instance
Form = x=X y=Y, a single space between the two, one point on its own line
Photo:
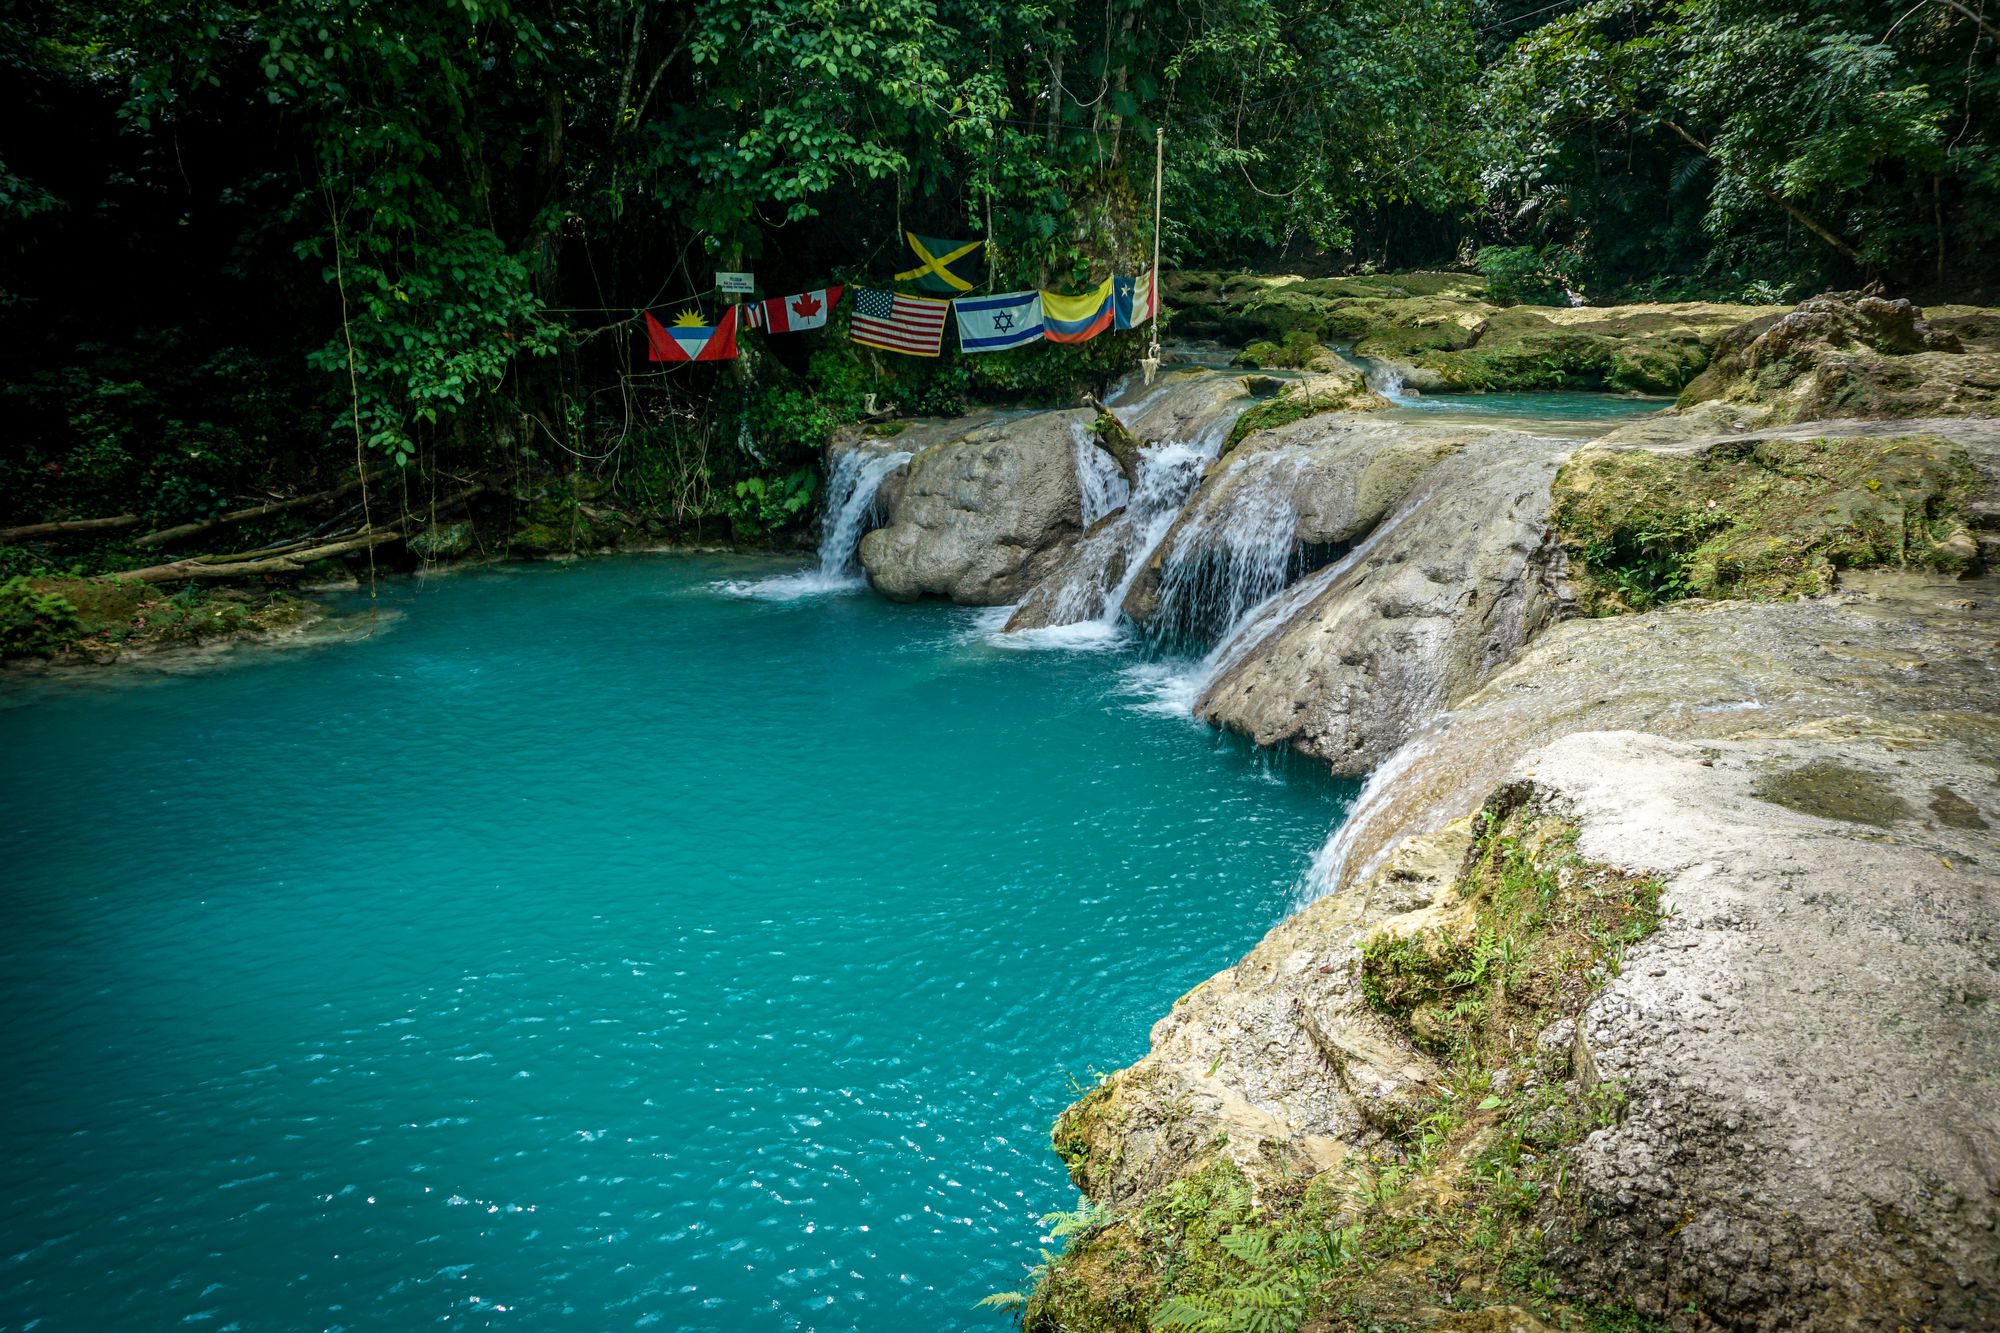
x=1151 y=361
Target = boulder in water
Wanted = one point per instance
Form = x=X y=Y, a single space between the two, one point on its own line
x=982 y=513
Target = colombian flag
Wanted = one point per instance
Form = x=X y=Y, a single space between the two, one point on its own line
x=1076 y=319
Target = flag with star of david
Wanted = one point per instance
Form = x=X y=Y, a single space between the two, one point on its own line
x=996 y=323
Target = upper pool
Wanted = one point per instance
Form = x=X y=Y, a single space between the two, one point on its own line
x=591 y=949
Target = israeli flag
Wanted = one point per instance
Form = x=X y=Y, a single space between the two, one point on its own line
x=996 y=323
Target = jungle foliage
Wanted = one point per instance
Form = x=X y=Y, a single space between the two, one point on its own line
x=252 y=242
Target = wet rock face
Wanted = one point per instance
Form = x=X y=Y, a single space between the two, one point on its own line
x=981 y=514
x=1356 y=659
x=1848 y=355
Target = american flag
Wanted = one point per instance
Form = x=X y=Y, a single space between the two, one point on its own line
x=913 y=325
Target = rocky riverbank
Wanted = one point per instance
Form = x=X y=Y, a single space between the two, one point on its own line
x=1654 y=979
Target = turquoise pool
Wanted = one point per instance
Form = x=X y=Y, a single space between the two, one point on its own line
x=594 y=949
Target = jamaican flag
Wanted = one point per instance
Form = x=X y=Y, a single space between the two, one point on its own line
x=949 y=268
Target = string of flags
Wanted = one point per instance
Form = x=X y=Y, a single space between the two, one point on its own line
x=914 y=325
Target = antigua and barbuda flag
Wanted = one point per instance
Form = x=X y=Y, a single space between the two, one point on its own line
x=944 y=267
x=1076 y=319
x=1134 y=300
x=996 y=323
x=688 y=339
x=796 y=314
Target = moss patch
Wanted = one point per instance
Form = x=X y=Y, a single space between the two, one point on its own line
x=1459 y=1211
x=1761 y=519
x=97 y=619
x=1440 y=324
x=1342 y=390
x=1831 y=790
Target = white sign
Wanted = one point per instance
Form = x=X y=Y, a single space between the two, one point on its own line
x=742 y=284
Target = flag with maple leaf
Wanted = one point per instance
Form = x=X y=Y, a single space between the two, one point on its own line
x=795 y=314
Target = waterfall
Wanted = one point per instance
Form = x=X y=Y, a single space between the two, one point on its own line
x=1090 y=588
x=1329 y=864
x=1098 y=478
x=850 y=503
x=1230 y=557
x=1175 y=687
x=850 y=499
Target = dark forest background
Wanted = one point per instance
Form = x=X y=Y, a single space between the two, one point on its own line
x=248 y=244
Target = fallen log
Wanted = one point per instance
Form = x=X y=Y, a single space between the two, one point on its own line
x=290 y=562
x=289 y=557
x=175 y=533
x=68 y=527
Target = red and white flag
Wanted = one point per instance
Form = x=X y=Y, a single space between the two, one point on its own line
x=688 y=339
x=912 y=325
x=796 y=314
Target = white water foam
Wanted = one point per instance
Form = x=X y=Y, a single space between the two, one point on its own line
x=1232 y=557
x=1177 y=685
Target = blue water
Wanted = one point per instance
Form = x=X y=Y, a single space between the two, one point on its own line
x=592 y=950
x=1549 y=405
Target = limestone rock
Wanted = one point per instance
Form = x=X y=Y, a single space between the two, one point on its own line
x=1775 y=513
x=982 y=513
x=1848 y=355
x=1805 y=1045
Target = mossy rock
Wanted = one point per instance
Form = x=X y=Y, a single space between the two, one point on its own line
x=1295 y=351
x=1454 y=1215
x=1762 y=519
x=1341 y=389
x=443 y=541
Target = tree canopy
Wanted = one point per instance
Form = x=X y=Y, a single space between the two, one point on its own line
x=240 y=233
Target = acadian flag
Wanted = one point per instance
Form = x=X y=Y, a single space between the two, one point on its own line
x=996 y=323
x=944 y=267
x=1076 y=319
x=796 y=314
x=1135 y=300
x=688 y=339
x=912 y=325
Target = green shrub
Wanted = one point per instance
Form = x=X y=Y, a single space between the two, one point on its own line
x=32 y=623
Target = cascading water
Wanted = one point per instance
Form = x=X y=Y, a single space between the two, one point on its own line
x=850 y=497
x=1176 y=686
x=1098 y=478
x=1232 y=557
x=1090 y=589
x=850 y=503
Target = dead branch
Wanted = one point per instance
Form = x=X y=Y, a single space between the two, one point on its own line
x=165 y=535
x=68 y=527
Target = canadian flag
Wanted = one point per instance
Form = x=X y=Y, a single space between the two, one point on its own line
x=795 y=314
